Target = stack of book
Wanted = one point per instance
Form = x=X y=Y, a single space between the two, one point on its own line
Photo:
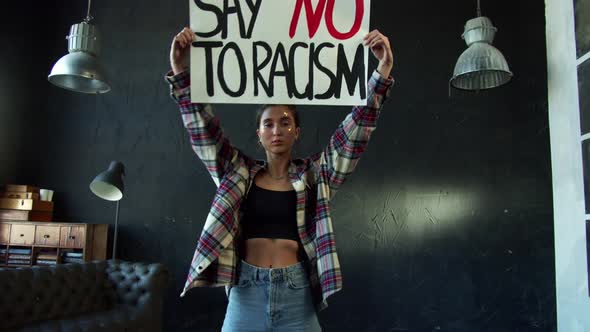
x=19 y=256
x=3 y=256
x=72 y=257
x=21 y=202
x=47 y=258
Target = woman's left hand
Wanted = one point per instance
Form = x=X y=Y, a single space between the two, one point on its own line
x=379 y=45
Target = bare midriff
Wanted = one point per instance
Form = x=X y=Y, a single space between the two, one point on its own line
x=272 y=253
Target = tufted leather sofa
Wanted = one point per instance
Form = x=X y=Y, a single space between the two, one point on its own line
x=97 y=296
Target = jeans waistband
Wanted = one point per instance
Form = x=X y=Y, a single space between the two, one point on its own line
x=248 y=271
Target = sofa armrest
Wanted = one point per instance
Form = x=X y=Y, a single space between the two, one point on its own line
x=140 y=287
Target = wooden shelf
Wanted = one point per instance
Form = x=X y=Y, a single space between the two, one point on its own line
x=14 y=265
x=89 y=240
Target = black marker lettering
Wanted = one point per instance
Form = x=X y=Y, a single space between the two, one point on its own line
x=316 y=61
x=357 y=74
x=242 y=74
x=209 y=62
x=257 y=67
x=291 y=81
x=218 y=13
x=279 y=53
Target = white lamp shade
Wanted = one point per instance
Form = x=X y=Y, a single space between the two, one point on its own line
x=106 y=191
x=109 y=184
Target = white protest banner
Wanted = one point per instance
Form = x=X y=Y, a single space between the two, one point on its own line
x=279 y=51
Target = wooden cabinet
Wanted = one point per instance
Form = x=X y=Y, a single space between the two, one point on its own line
x=47 y=235
x=72 y=236
x=4 y=233
x=22 y=234
x=29 y=243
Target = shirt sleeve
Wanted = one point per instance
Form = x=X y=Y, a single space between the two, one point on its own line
x=203 y=127
x=340 y=157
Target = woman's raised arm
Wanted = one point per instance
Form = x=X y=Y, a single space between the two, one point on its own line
x=340 y=157
x=205 y=133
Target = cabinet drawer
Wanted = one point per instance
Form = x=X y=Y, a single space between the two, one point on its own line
x=22 y=234
x=72 y=236
x=47 y=235
x=4 y=233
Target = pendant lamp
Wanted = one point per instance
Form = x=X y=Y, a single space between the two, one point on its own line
x=80 y=70
x=481 y=66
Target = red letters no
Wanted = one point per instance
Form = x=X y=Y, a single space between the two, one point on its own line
x=314 y=18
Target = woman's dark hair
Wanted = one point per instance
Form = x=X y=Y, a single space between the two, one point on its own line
x=291 y=108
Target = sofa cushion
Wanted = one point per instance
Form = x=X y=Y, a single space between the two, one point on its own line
x=133 y=283
x=44 y=293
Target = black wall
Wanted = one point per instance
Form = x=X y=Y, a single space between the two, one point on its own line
x=445 y=226
x=24 y=64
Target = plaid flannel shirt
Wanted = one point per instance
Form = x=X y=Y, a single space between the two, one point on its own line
x=315 y=179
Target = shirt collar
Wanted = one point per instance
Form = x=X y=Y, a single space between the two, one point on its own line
x=293 y=174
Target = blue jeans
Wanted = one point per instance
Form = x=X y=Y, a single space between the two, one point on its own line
x=271 y=300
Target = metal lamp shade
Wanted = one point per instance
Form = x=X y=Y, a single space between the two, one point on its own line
x=481 y=66
x=108 y=185
x=80 y=70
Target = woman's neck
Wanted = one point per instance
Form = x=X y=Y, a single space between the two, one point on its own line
x=278 y=166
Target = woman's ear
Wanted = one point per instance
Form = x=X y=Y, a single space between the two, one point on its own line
x=297 y=131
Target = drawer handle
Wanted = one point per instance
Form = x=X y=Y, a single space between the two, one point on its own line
x=72 y=237
x=22 y=235
x=46 y=236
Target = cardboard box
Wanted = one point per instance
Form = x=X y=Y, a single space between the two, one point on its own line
x=21 y=188
x=40 y=216
x=26 y=215
x=25 y=204
x=17 y=194
x=14 y=215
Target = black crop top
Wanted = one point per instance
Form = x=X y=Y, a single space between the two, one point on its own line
x=270 y=214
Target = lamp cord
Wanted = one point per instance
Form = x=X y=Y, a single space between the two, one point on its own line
x=478 y=9
x=88 y=17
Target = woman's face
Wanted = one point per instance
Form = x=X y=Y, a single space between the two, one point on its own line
x=277 y=131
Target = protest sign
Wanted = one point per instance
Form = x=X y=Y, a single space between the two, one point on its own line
x=279 y=51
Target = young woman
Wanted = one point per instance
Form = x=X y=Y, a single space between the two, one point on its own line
x=268 y=237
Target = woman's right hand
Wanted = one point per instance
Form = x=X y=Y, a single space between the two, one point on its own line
x=179 y=50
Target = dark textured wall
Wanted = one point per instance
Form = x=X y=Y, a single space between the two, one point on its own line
x=445 y=226
x=23 y=90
